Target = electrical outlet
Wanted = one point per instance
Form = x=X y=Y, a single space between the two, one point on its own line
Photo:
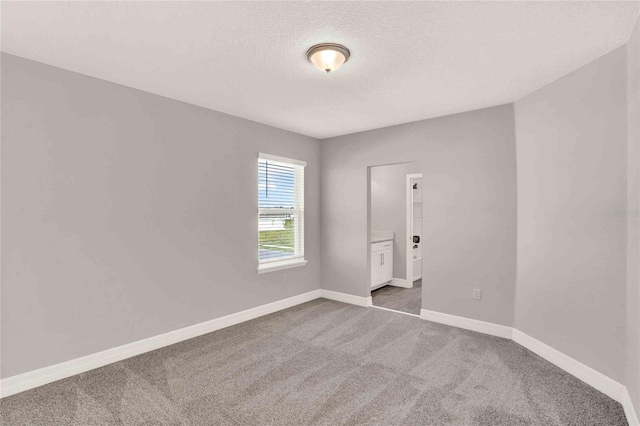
x=284 y=278
x=477 y=294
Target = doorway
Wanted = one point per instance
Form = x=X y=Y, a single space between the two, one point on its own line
x=395 y=242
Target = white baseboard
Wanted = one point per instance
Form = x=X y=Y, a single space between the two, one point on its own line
x=42 y=376
x=401 y=282
x=599 y=381
x=467 y=323
x=379 y=286
x=629 y=411
x=346 y=298
x=587 y=374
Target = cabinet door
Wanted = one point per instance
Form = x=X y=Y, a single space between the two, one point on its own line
x=376 y=265
x=387 y=265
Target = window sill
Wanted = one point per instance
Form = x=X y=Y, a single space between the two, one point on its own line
x=278 y=266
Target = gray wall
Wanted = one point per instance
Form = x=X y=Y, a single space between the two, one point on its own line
x=571 y=150
x=633 y=222
x=468 y=167
x=127 y=215
x=389 y=207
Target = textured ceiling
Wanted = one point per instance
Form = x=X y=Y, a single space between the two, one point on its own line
x=410 y=61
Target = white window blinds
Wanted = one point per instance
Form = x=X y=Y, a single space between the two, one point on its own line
x=280 y=210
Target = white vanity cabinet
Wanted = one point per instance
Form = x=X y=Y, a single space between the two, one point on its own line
x=381 y=262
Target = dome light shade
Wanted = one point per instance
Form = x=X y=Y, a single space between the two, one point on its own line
x=328 y=57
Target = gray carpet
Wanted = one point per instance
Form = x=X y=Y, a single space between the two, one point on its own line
x=323 y=363
x=401 y=299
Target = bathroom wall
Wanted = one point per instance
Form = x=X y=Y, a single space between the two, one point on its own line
x=468 y=166
x=126 y=215
x=571 y=149
x=388 y=207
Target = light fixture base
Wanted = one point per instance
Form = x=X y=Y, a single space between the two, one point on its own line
x=326 y=56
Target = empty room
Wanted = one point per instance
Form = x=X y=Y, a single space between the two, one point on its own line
x=320 y=213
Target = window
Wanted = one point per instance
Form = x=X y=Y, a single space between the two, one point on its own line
x=280 y=213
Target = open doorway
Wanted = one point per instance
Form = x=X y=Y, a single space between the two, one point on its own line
x=396 y=237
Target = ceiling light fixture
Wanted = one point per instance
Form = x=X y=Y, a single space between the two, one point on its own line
x=328 y=57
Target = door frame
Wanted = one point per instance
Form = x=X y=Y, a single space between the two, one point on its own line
x=409 y=227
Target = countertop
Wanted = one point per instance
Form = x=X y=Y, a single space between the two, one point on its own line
x=379 y=240
x=380 y=236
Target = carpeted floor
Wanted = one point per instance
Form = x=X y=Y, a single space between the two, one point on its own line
x=324 y=363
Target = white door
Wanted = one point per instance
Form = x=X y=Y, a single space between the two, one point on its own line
x=414 y=226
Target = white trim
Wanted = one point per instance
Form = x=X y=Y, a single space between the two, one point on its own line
x=297 y=213
x=298 y=182
x=467 y=323
x=42 y=376
x=629 y=411
x=284 y=160
x=604 y=384
x=278 y=266
x=409 y=225
x=401 y=282
x=380 y=286
x=587 y=374
x=32 y=379
x=597 y=380
x=346 y=298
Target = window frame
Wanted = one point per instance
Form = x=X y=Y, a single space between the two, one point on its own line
x=298 y=212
